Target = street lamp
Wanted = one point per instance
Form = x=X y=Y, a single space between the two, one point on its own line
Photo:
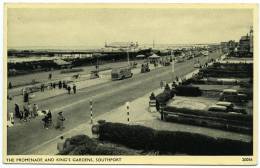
x=173 y=62
x=127 y=53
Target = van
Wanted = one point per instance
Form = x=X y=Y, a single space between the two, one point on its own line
x=121 y=73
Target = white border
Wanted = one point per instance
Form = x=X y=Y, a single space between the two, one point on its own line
x=96 y=1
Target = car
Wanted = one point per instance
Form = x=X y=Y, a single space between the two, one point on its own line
x=217 y=108
x=229 y=105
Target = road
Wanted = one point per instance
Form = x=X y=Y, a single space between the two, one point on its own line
x=106 y=96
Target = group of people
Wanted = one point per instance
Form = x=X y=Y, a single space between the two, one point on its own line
x=48 y=122
x=30 y=112
x=74 y=88
x=60 y=85
x=27 y=113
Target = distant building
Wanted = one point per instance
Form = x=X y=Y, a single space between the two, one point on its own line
x=251 y=40
x=122 y=45
x=245 y=48
x=224 y=47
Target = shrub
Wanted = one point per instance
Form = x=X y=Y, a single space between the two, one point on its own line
x=163 y=97
x=79 y=145
x=83 y=145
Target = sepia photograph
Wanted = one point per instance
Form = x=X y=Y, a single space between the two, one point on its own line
x=130 y=83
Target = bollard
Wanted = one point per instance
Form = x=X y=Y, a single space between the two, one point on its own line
x=91 y=112
x=128 y=112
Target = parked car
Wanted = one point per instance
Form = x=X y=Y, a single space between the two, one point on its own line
x=229 y=105
x=233 y=95
x=217 y=108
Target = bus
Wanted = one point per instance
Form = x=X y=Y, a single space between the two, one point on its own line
x=121 y=73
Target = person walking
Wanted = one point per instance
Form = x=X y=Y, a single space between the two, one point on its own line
x=35 y=110
x=50 y=76
x=45 y=121
x=74 y=88
x=161 y=84
x=60 y=85
x=42 y=87
x=69 y=88
x=26 y=113
x=18 y=113
x=49 y=118
x=60 y=121
x=63 y=84
x=30 y=111
x=10 y=86
x=26 y=97
x=60 y=144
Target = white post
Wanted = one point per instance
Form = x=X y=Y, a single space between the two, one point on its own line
x=128 y=112
x=91 y=112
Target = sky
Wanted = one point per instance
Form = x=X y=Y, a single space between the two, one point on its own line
x=70 y=27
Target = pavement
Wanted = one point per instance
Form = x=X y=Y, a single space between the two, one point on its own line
x=106 y=96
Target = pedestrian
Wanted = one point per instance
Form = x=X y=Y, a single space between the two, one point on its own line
x=42 y=87
x=18 y=113
x=50 y=76
x=26 y=113
x=45 y=121
x=35 y=110
x=161 y=84
x=60 y=121
x=74 y=88
x=63 y=84
x=60 y=85
x=69 y=88
x=10 y=86
x=30 y=111
x=26 y=97
x=54 y=85
x=60 y=144
x=49 y=117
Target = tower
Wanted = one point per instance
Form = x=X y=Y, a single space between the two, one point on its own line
x=251 y=40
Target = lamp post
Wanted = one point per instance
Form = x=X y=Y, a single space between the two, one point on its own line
x=173 y=62
x=127 y=53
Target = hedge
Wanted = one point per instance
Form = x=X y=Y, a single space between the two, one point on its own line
x=165 y=96
x=228 y=116
x=121 y=133
x=83 y=145
x=184 y=90
x=140 y=137
x=71 y=70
